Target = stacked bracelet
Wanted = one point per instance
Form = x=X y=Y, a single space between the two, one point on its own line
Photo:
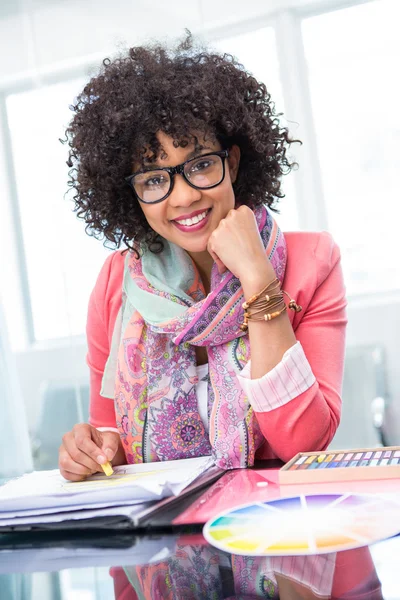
x=267 y=305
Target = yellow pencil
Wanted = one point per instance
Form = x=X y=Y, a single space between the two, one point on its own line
x=320 y=458
x=107 y=468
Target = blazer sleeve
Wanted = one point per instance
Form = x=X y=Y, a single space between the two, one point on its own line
x=104 y=304
x=298 y=404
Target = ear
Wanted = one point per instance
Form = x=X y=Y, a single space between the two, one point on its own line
x=233 y=162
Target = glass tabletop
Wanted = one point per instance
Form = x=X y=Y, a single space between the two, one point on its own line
x=183 y=566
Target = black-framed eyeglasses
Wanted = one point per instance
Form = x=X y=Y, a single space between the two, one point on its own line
x=203 y=172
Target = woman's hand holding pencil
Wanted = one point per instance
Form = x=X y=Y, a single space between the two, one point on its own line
x=86 y=450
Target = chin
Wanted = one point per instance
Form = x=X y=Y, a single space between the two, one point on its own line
x=191 y=242
x=190 y=247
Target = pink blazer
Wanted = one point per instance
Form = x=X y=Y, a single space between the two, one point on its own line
x=314 y=279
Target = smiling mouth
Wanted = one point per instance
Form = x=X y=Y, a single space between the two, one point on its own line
x=194 y=220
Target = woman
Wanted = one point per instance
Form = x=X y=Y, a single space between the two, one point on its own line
x=179 y=156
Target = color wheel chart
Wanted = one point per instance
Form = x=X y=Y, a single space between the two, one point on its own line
x=306 y=524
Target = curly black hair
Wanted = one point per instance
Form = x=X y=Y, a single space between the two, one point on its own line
x=180 y=91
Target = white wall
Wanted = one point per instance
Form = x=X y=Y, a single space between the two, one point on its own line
x=41 y=33
x=379 y=324
x=56 y=364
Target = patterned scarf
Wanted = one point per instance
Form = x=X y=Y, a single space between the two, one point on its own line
x=164 y=314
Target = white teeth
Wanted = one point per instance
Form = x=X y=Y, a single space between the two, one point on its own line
x=193 y=220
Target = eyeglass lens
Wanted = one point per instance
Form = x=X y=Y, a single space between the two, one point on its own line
x=201 y=172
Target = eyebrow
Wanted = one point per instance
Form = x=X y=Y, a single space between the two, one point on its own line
x=191 y=154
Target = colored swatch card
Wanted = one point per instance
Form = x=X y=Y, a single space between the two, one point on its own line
x=305 y=524
x=342 y=465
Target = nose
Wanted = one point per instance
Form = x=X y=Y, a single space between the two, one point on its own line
x=182 y=193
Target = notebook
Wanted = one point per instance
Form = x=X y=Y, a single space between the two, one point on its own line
x=123 y=501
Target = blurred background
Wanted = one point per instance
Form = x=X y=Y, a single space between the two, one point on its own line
x=332 y=68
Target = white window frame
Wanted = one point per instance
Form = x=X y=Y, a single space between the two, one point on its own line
x=285 y=17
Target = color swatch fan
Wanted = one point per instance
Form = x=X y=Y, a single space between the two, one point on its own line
x=312 y=524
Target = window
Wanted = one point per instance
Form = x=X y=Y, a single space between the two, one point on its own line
x=352 y=57
x=257 y=52
x=62 y=262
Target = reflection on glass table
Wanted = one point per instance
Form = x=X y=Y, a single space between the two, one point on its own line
x=184 y=567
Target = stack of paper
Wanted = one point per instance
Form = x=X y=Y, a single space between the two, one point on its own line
x=44 y=497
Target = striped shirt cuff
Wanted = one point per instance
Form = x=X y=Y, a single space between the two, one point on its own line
x=314 y=572
x=290 y=378
x=108 y=429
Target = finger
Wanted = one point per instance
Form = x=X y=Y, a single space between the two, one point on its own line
x=72 y=476
x=91 y=444
x=110 y=443
x=220 y=265
x=79 y=456
x=67 y=464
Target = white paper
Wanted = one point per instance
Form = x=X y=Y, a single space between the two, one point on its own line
x=134 y=484
x=128 y=511
x=65 y=509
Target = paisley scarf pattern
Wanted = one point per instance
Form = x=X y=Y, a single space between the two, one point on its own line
x=165 y=314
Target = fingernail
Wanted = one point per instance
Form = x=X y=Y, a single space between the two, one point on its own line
x=101 y=459
x=109 y=453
